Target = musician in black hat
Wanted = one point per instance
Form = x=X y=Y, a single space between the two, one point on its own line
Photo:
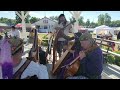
x=62 y=22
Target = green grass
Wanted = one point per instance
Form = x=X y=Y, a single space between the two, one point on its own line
x=41 y=35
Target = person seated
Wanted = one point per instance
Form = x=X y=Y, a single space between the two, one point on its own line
x=91 y=59
x=33 y=69
x=14 y=32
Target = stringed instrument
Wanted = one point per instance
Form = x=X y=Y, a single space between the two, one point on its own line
x=59 y=34
x=34 y=48
x=72 y=68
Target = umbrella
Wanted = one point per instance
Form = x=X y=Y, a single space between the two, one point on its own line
x=18 y=25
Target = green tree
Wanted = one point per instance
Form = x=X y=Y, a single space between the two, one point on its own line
x=54 y=18
x=88 y=23
x=7 y=21
x=107 y=19
x=93 y=25
x=115 y=23
x=18 y=19
x=101 y=19
x=80 y=20
x=3 y=20
x=34 y=19
x=72 y=19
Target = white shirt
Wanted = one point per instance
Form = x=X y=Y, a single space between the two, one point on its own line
x=14 y=33
x=33 y=69
x=67 y=30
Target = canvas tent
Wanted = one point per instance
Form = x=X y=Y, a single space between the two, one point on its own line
x=117 y=30
x=103 y=30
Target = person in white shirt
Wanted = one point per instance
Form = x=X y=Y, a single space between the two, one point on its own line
x=14 y=32
x=32 y=69
x=62 y=22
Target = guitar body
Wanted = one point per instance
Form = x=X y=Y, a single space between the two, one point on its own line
x=60 y=33
x=72 y=69
x=62 y=59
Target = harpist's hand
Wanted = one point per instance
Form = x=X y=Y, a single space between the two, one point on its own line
x=82 y=55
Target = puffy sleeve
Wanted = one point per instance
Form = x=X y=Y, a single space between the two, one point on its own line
x=9 y=33
x=54 y=26
x=70 y=27
x=18 y=34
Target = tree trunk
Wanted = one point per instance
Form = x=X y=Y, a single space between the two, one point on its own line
x=23 y=29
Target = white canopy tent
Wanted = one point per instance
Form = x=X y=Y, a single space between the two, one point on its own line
x=103 y=29
x=118 y=28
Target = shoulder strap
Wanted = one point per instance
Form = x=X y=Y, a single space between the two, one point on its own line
x=18 y=74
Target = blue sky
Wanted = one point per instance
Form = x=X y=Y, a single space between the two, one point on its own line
x=92 y=15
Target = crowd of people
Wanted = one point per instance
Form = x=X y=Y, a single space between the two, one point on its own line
x=91 y=57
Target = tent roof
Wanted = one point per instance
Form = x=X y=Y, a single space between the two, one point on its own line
x=82 y=28
x=103 y=27
x=118 y=28
x=3 y=24
x=20 y=25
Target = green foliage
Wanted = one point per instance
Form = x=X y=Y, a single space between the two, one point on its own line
x=104 y=19
x=81 y=22
x=88 y=23
x=117 y=60
x=111 y=59
x=118 y=52
x=54 y=18
x=44 y=43
x=18 y=19
x=101 y=19
x=107 y=19
x=72 y=19
x=7 y=21
x=34 y=19
x=115 y=23
x=45 y=37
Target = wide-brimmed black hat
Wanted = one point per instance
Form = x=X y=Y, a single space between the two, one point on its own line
x=61 y=15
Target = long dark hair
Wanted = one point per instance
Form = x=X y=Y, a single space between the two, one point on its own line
x=118 y=36
x=62 y=15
